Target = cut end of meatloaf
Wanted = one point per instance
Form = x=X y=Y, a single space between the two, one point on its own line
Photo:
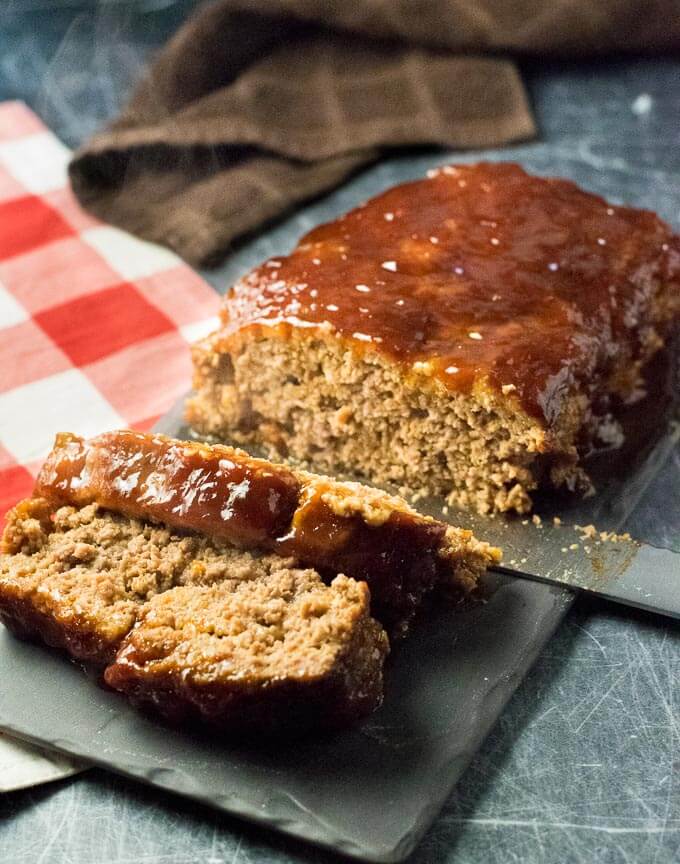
x=268 y=654
x=76 y=577
x=227 y=495
x=470 y=335
x=343 y=413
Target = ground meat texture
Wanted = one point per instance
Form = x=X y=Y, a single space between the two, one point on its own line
x=195 y=628
x=223 y=493
x=288 y=653
x=77 y=577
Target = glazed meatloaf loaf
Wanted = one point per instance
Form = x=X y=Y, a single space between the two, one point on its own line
x=470 y=335
x=211 y=584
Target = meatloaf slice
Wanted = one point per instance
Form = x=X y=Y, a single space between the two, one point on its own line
x=77 y=577
x=284 y=652
x=184 y=571
x=191 y=626
x=472 y=335
x=221 y=492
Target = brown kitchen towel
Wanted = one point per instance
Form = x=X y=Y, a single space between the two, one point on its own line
x=255 y=106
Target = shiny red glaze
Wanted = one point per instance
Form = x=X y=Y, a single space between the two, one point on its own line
x=489 y=274
x=212 y=490
x=224 y=493
x=399 y=559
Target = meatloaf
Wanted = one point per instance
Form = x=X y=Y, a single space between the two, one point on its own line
x=470 y=335
x=291 y=651
x=189 y=626
x=209 y=584
x=330 y=526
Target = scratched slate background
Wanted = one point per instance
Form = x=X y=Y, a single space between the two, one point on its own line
x=584 y=764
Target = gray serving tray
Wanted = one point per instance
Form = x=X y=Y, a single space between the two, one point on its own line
x=372 y=792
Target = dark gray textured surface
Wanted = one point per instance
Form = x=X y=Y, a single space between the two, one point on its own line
x=584 y=764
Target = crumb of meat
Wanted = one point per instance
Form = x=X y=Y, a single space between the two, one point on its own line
x=590 y=532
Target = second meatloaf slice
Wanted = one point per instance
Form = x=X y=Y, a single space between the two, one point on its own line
x=286 y=652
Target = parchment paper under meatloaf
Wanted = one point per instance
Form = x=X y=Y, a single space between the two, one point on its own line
x=470 y=335
x=206 y=582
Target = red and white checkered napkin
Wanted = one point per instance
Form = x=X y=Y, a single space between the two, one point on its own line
x=94 y=324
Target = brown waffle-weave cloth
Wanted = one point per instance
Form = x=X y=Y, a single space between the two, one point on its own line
x=255 y=106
